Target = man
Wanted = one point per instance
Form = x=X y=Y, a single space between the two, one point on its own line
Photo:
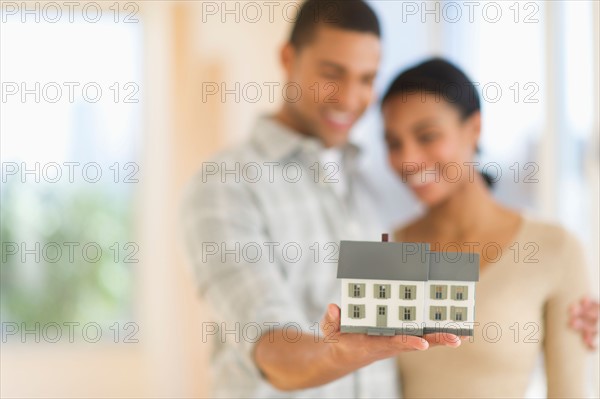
x=262 y=245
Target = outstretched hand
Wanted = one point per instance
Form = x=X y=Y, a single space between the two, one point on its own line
x=313 y=361
x=346 y=346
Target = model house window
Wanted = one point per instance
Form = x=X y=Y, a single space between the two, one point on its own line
x=437 y=313
x=439 y=292
x=458 y=313
x=407 y=313
x=381 y=310
x=382 y=291
x=459 y=292
x=408 y=291
x=356 y=290
x=356 y=311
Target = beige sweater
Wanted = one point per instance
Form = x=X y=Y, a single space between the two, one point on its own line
x=522 y=309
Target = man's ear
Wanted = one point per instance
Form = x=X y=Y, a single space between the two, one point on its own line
x=287 y=58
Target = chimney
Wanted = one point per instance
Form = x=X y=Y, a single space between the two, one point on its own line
x=384 y=237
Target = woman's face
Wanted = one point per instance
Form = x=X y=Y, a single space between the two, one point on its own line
x=429 y=145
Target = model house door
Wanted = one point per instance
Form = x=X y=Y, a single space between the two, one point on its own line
x=381 y=316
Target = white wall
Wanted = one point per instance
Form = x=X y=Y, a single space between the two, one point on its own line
x=393 y=303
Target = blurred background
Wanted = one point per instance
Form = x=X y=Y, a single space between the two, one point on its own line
x=108 y=109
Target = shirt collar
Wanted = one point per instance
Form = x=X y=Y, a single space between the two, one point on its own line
x=279 y=142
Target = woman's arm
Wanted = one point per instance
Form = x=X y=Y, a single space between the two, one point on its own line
x=565 y=353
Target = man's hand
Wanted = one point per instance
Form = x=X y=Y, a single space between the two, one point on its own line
x=346 y=347
x=312 y=361
x=584 y=318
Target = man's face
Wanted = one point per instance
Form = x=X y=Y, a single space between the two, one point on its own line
x=335 y=73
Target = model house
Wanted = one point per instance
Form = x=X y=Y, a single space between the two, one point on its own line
x=391 y=288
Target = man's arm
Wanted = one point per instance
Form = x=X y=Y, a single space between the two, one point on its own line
x=314 y=361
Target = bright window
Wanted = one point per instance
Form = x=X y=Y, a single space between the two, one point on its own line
x=71 y=112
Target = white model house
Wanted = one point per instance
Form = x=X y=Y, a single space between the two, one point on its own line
x=393 y=288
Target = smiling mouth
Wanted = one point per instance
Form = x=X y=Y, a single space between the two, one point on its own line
x=338 y=119
x=421 y=179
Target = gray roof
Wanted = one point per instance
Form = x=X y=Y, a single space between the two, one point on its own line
x=408 y=261
x=383 y=260
x=454 y=266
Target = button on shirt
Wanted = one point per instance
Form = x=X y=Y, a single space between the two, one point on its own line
x=262 y=225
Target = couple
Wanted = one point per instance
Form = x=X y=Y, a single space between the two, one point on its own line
x=427 y=124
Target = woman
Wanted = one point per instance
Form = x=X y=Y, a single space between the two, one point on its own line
x=530 y=271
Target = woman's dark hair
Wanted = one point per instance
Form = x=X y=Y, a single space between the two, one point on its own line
x=442 y=78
